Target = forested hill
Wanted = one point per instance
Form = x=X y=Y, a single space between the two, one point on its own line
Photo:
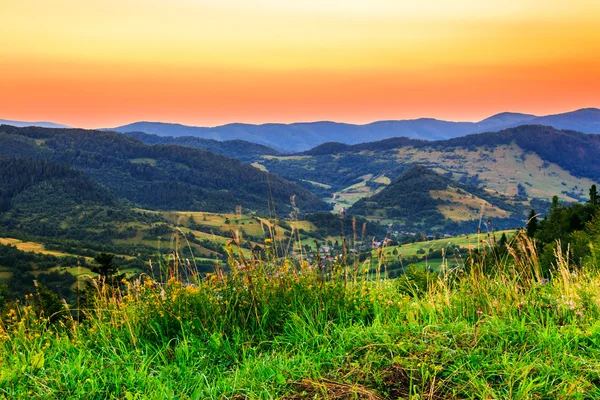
x=47 y=185
x=421 y=197
x=407 y=197
x=240 y=149
x=159 y=176
x=380 y=145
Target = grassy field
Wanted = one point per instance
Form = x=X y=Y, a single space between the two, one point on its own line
x=466 y=241
x=292 y=335
x=423 y=249
x=501 y=169
x=32 y=247
x=465 y=206
x=346 y=197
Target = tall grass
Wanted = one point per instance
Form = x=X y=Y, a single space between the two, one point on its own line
x=274 y=327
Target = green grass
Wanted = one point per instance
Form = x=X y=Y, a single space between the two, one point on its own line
x=278 y=330
x=466 y=241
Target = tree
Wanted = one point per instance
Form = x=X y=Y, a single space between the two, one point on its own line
x=48 y=303
x=4 y=293
x=106 y=267
x=503 y=240
x=532 y=224
x=594 y=196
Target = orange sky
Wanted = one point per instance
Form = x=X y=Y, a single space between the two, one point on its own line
x=99 y=63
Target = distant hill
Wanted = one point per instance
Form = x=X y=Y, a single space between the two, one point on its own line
x=504 y=120
x=586 y=120
x=41 y=124
x=298 y=137
x=159 y=176
x=423 y=199
x=240 y=149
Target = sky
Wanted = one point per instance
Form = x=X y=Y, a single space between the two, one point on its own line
x=104 y=63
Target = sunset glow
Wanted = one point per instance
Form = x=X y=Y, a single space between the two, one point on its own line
x=107 y=63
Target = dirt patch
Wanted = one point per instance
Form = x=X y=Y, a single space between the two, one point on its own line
x=330 y=390
x=394 y=382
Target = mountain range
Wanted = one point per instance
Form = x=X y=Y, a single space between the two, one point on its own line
x=298 y=137
x=303 y=136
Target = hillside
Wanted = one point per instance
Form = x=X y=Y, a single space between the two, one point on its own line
x=240 y=149
x=299 y=137
x=535 y=162
x=25 y=183
x=159 y=176
x=422 y=199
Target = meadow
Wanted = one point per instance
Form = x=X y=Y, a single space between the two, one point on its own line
x=274 y=328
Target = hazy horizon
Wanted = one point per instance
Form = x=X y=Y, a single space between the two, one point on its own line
x=106 y=126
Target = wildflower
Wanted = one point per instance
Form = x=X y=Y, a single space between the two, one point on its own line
x=579 y=314
x=479 y=312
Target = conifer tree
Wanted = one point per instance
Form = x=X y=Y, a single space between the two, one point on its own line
x=594 y=196
x=532 y=224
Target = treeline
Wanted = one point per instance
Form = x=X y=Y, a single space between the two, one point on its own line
x=576 y=227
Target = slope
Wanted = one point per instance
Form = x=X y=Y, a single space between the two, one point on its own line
x=421 y=198
x=533 y=161
x=160 y=176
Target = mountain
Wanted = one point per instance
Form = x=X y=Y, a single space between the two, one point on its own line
x=41 y=124
x=159 y=176
x=423 y=199
x=240 y=149
x=586 y=120
x=503 y=120
x=298 y=137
